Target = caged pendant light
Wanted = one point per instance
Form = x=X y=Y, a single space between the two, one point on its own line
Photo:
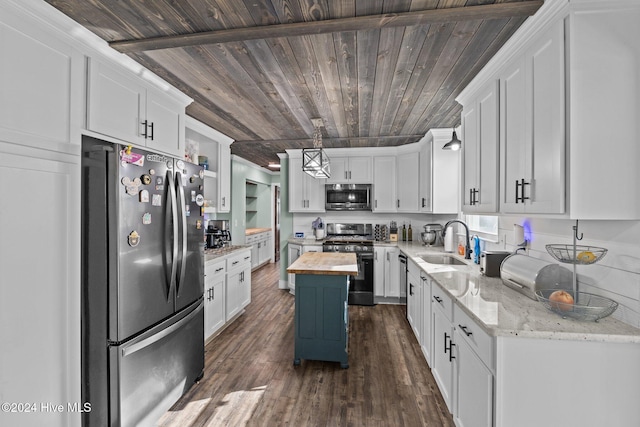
x=315 y=161
x=454 y=144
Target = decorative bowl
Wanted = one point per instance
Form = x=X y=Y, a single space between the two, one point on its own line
x=586 y=306
x=576 y=255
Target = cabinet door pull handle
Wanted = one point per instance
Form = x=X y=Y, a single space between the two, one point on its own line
x=522 y=184
x=398 y=203
x=235 y=262
x=423 y=202
x=437 y=298
x=465 y=330
x=145 y=124
x=219 y=269
x=151 y=134
x=450 y=347
x=517 y=186
x=410 y=288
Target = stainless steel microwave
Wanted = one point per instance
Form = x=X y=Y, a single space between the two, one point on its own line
x=348 y=197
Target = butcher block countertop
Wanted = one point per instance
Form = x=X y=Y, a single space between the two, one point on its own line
x=252 y=231
x=325 y=263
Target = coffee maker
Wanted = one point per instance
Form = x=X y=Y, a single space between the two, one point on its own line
x=218 y=234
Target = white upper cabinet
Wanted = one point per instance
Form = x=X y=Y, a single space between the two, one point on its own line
x=604 y=70
x=40 y=86
x=224 y=178
x=306 y=193
x=384 y=184
x=125 y=107
x=353 y=170
x=480 y=134
x=532 y=106
x=426 y=180
x=408 y=183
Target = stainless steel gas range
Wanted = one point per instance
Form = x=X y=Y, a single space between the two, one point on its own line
x=356 y=238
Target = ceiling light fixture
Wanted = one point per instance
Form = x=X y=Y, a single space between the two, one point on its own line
x=454 y=144
x=273 y=165
x=315 y=161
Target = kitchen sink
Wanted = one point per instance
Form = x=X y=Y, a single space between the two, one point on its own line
x=441 y=259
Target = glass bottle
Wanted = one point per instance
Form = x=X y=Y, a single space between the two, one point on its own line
x=410 y=234
x=404 y=233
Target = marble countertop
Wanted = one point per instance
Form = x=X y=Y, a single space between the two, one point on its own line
x=213 y=254
x=325 y=263
x=251 y=231
x=501 y=311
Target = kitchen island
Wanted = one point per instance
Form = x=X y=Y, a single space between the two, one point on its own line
x=321 y=310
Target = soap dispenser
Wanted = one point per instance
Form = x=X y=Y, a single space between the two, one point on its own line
x=476 y=249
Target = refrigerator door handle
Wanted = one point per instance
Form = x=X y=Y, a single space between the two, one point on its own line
x=174 y=243
x=146 y=342
x=183 y=221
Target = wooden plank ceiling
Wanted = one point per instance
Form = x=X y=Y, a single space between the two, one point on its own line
x=378 y=72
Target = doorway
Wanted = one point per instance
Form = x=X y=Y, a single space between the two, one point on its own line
x=276 y=228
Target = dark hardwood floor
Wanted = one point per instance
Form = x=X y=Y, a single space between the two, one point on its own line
x=250 y=380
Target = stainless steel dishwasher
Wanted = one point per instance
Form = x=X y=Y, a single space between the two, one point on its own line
x=403 y=273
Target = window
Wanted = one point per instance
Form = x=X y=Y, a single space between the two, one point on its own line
x=483 y=224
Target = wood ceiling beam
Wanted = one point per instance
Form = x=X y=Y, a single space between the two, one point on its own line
x=405 y=19
x=390 y=139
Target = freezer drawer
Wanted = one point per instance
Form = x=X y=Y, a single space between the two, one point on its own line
x=150 y=373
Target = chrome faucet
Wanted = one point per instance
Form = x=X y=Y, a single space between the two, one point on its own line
x=467 y=248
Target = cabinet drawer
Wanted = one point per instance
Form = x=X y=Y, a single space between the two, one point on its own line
x=238 y=260
x=249 y=240
x=413 y=269
x=481 y=342
x=215 y=268
x=440 y=298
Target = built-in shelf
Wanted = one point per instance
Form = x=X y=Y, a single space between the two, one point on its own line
x=210 y=174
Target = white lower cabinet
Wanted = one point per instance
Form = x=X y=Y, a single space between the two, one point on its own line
x=474 y=359
x=386 y=272
x=260 y=248
x=474 y=387
x=414 y=299
x=294 y=253
x=426 y=340
x=214 y=297
x=462 y=363
x=442 y=357
x=238 y=292
x=392 y=273
x=227 y=290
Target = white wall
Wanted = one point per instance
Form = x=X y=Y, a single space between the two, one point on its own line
x=616 y=276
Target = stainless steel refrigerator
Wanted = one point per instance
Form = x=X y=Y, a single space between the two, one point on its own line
x=142 y=282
